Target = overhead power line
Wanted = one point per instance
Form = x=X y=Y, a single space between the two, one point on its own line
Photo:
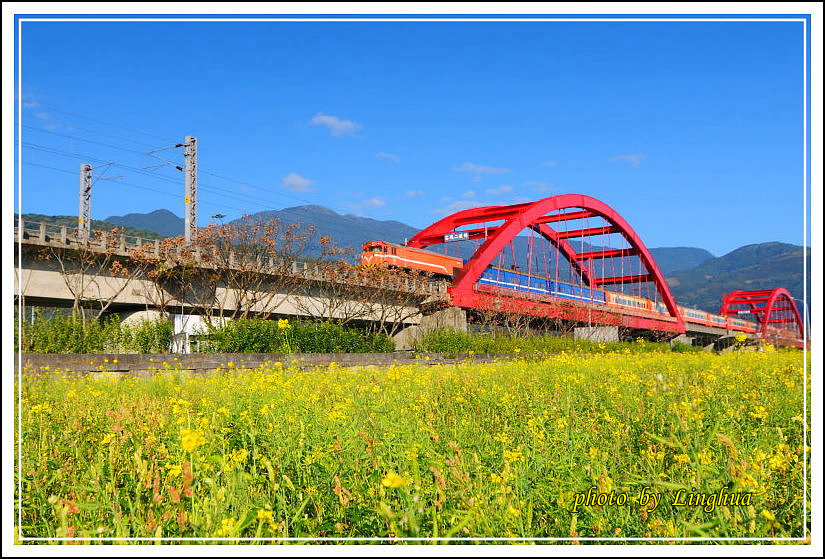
x=99 y=121
x=82 y=139
x=216 y=190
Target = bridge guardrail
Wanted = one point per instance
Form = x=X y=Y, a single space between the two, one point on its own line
x=124 y=245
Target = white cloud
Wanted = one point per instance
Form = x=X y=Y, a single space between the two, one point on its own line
x=48 y=120
x=456 y=206
x=296 y=183
x=517 y=200
x=469 y=194
x=413 y=193
x=375 y=202
x=634 y=159
x=30 y=101
x=503 y=189
x=539 y=186
x=368 y=204
x=550 y=163
x=391 y=156
x=337 y=126
x=478 y=170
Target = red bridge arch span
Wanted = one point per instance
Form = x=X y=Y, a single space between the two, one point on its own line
x=774 y=308
x=538 y=216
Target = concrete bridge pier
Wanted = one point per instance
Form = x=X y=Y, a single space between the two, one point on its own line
x=135 y=317
x=682 y=339
x=597 y=333
x=451 y=317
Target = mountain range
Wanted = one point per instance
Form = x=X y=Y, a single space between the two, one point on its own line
x=696 y=278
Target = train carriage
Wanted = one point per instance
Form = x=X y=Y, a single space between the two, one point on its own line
x=402 y=256
x=629 y=301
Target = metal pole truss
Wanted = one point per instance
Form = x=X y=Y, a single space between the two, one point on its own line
x=190 y=199
x=84 y=212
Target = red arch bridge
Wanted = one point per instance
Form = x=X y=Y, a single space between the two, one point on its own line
x=775 y=310
x=575 y=258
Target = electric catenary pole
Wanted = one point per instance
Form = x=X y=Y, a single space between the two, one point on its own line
x=190 y=197
x=84 y=213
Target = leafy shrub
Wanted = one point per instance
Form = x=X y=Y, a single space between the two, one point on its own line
x=147 y=336
x=68 y=333
x=679 y=347
x=282 y=336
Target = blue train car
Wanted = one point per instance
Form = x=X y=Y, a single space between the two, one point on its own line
x=576 y=292
x=520 y=281
x=511 y=279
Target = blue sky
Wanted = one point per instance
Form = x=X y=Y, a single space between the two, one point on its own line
x=692 y=131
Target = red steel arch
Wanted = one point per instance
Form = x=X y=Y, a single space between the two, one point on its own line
x=534 y=215
x=764 y=304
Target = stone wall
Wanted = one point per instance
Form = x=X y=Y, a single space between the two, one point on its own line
x=205 y=362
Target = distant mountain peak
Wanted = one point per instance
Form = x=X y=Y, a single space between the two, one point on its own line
x=161 y=221
x=313 y=208
x=162 y=212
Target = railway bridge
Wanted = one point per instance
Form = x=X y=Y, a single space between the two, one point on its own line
x=575 y=258
x=569 y=258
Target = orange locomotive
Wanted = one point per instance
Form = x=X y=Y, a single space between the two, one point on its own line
x=381 y=252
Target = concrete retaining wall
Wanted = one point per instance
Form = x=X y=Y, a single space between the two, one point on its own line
x=203 y=362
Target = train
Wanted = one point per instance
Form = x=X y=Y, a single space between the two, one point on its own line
x=499 y=278
x=401 y=256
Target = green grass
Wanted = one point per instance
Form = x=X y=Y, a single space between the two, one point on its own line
x=448 y=340
x=469 y=450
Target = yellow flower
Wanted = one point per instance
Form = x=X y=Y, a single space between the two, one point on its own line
x=173 y=470
x=266 y=516
x=283 y=324
x=503 y=438
x=227 y=527
x=191 y=439
x=682 y=458
x=239 y=455
x=513 y=455
x=41 y=408
x=759 y=412
x=393 y=481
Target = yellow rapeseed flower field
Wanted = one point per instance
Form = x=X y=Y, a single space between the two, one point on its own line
x=502 y=449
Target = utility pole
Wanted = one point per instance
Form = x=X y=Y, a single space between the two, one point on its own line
x=190 y=198
x=84 y=214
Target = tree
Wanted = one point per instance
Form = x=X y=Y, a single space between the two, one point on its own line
x=334 y=289
x=96 y=270
x=237 y=270
x=394 y=296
